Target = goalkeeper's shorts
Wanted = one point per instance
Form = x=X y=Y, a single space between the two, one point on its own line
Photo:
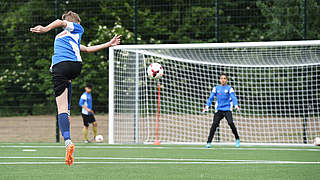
x=62 y=73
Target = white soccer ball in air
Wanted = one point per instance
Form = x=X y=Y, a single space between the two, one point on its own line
x=99 y=138
x=155 y=70
x=317 y=141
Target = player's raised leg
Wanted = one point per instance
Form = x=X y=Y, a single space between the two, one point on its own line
x=216 y=121
x=233 y=127
x=64 y=125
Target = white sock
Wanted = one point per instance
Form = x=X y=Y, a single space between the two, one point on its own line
x=68 y=142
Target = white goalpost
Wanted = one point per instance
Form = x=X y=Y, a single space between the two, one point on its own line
x=277 y=85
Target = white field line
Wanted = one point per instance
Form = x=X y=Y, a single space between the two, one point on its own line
x=141 y=159
x=244 y=144
x=29 y=150
x=157 y=163
x=232 y=144
x=163 y=147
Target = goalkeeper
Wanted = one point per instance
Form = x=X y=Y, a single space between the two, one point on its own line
x=224 y=94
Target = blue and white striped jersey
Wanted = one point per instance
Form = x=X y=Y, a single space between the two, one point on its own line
x=224 y=96
x=67 y=44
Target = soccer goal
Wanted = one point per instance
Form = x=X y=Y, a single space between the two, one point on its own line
x=277 y=85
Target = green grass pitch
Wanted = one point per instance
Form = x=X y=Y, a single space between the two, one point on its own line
x=102 y=161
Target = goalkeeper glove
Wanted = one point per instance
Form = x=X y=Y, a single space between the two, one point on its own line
x=205 y=109
x=237 y=108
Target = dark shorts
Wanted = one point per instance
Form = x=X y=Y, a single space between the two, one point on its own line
x=218 y=116
x=88 y=119
x=62 y=73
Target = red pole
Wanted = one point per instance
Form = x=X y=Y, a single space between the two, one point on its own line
x=157 y=142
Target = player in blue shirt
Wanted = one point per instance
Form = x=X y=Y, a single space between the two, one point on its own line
x=225 y=94
x=87 y=113
x=66 y=65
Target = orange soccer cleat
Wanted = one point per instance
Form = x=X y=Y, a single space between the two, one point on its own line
x=69 y=154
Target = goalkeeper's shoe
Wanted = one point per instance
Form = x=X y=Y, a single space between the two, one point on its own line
x=237 y=143
x=69 y=152
x=208 y=145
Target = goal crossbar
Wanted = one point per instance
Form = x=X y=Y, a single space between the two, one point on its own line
x=220 y=45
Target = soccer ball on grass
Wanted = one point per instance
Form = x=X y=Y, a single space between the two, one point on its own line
x=99 y=139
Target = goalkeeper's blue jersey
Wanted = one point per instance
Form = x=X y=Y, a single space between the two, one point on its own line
x=225 y=94
x=67 y=44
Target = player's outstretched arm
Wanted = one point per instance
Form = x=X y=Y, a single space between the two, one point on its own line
x=55 y=24
x=113 y=42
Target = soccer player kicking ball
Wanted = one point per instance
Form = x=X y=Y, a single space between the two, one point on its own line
x=87 y=113
x=223 y=93
x=66 y=65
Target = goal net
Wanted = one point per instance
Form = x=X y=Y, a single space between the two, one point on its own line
x=277 y=85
